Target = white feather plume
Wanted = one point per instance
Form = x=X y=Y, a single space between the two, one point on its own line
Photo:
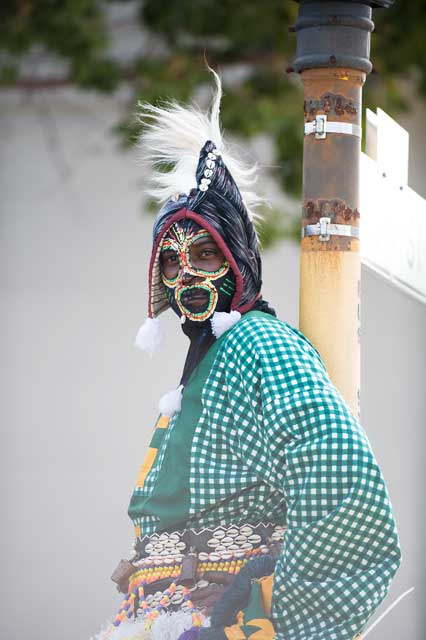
x=168 y=626
x=173 y=136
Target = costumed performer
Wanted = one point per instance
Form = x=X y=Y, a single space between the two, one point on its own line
x=259 y=511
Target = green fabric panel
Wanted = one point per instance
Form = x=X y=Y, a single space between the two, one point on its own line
x=170 y=499
x=157 y=438
x=254 y=608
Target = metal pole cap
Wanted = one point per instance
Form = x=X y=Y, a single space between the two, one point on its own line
x=335 y=33
x=375 y=4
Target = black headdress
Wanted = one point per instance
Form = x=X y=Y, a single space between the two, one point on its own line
x=205 y=182
x=216 y=204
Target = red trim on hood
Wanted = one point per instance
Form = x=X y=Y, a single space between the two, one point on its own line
x=248 y=305
x=187 y=213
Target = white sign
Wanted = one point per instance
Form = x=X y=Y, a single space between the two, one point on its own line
x=393 y=216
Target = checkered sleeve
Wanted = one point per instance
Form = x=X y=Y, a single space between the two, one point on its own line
x=341 y=548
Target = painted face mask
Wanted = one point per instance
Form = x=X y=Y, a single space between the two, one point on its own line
x=197 y=277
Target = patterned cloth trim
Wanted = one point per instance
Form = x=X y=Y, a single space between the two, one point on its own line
x=233 y=541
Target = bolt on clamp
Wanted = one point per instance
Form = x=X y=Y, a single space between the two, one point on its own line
x=324 y=228
x=321 y=126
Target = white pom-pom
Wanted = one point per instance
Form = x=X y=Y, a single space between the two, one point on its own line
x=149 y=337
x=171 y=402
x=222 y=321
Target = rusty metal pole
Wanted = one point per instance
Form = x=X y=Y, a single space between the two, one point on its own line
x=333 y=47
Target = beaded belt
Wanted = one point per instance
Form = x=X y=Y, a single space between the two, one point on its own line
x=188 y=570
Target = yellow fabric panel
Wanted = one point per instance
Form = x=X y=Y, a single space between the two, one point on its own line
x=240 y=617
x=138 y=531
x=266 y=584
x=146 y=466
x=266 y=631
x=163 y=422
x=234 y=633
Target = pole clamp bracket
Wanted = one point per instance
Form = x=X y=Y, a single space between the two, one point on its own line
x=321 y=126
x=324 y=229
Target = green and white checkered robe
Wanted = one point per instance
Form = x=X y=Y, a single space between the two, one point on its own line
x=275 y=441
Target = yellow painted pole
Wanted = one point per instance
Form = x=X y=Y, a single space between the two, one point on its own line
x=330 y=264
x=333 y=59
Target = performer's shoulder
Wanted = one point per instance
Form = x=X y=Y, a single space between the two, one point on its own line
x=259 y=330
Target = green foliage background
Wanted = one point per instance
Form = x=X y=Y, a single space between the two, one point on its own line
x=226 y=33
